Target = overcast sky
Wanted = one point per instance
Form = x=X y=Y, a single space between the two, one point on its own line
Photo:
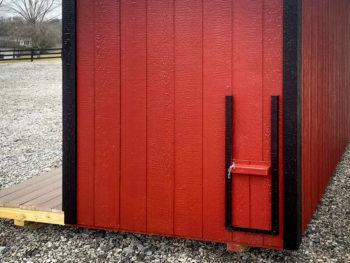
x=57 y=13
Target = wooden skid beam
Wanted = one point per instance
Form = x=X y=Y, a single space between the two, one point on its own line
x=22 y=215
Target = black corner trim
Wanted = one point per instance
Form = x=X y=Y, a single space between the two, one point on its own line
x=228 y=158
x=69 y=170
x=274 y=169
x=275 y=164
x=292 y=15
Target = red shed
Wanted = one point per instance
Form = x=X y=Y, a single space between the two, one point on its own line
x=216 y=120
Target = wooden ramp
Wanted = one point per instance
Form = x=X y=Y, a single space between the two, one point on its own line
x=37 y=200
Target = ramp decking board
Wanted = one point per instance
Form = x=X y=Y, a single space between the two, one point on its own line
x=38 y=199
x=50 y=204
x=33 y=196
x=42 y=199
x=29 y=190
x=30 y=183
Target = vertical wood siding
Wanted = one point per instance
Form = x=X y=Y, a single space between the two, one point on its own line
x=107 y=113
x=152 y=79
x=188 y=118
x=272 y=83
x=86 y=112
x=217 y=82
x=325 y=95
x=160 y=116
x=247 y=120
x=133 y=115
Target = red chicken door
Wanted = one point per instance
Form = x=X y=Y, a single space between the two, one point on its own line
x=251 y=184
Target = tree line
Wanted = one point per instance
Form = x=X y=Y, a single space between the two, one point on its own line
x=30 y=23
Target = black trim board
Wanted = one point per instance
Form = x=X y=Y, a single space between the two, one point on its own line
x=69 y=171
x=228 y=158
x=292 y=15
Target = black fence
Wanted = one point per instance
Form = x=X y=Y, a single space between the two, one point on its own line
x=30 y=54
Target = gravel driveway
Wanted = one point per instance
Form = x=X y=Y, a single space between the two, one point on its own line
x=30 y=143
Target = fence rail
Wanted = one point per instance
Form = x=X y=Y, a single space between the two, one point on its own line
x=30 y=54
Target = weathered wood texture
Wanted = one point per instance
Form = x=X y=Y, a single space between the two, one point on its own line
x=325 y=95
x=151 y=83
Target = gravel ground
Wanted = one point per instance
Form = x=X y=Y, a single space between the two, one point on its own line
x=30 y=123
x=30 y=143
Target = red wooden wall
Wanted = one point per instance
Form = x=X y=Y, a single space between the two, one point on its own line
x=325 y=95
x=151 y=83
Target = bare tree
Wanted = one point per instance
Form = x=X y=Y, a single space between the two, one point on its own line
x=1 y=7
x=32 y=11
x=35 y=13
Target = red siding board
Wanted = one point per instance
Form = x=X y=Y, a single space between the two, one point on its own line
x=241 y=183
x=272 y=83
x=247 y=119
x=107 y=113
x=133 y=115
x=160 y=116
x=217 y=71
x=85 y=111
x=306 y=101
x=188 y=118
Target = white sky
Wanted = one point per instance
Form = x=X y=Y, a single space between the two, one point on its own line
x=57 y=13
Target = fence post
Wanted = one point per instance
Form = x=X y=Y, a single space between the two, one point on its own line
x=32 y=55
x=13 y=54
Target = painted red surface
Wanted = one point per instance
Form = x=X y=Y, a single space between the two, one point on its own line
x=160 y=117
x=152 y=79
x=325 y=96
x=133 y=150
x=251 y=168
